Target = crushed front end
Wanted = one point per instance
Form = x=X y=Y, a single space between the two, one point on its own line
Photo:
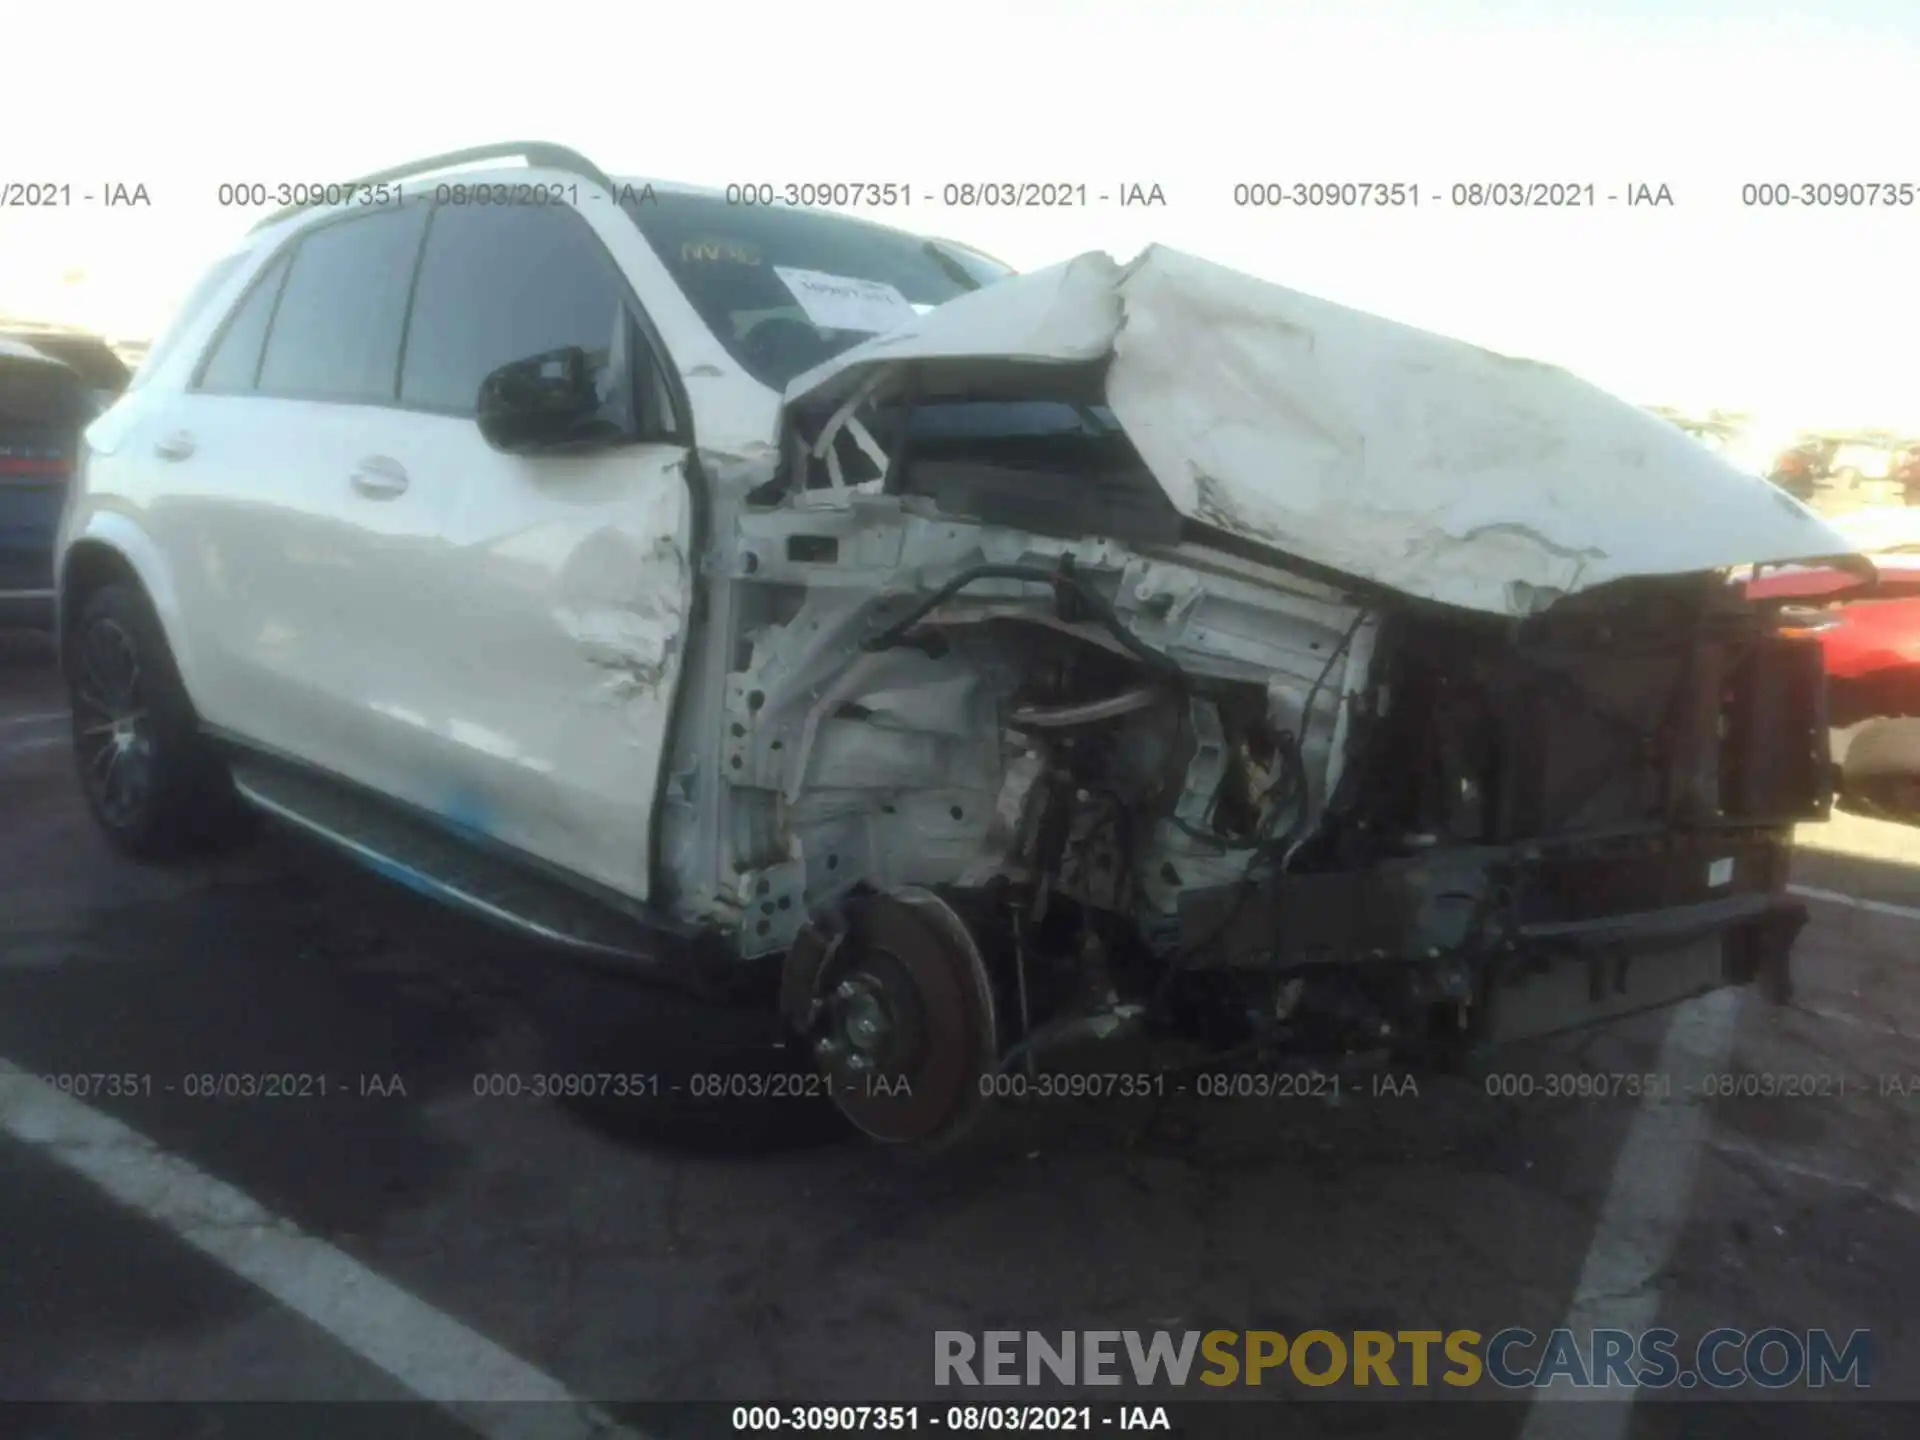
x=990 y=794
x=1538 y=825
x=1148 y=652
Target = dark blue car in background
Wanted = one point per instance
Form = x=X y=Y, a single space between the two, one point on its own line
x=52 y=383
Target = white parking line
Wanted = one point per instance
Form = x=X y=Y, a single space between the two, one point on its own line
x=1835 y=897
x=1902 y=1193
x=1646 y=1206
x=431 y=1354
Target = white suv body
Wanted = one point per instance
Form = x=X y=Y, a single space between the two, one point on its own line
x=786 y=624
x=372 y=588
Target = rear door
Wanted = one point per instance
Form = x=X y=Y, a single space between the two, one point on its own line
x=278 y=536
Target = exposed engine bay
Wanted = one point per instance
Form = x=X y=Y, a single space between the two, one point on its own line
x=989 y=791
x=1147 y=653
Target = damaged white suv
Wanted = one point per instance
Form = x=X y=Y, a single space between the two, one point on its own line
x=964 y=663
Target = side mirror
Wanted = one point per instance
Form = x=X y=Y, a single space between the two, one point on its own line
x=545 y=402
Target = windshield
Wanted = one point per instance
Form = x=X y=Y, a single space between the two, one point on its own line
x=785 y=290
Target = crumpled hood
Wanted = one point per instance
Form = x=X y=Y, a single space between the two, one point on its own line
x=1391 y=454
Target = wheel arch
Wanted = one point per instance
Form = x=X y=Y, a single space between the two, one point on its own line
x=113 y=549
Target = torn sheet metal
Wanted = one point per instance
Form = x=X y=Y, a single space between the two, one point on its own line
x=1401 y=457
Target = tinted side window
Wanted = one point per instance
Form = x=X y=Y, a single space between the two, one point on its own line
x=336 y=335
x=235 y=360
x=500 y=284
x=183 y=318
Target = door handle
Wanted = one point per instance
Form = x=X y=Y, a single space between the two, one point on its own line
x=177 y=446
x=379 y=478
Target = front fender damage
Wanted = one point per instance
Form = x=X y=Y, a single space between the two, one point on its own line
x=1258 y=721
x=622 y=602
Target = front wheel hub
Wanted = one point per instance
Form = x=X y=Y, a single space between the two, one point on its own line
x=870 y=1024
x=113 y=740
x=905 y=1030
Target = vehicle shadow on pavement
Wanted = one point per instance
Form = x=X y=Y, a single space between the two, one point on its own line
x=719 y=1216
x=709 y=1080
x=26 y=650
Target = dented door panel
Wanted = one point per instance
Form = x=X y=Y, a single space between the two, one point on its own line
x=547 y=626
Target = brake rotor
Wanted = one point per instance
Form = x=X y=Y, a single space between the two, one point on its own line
x=906 y=1030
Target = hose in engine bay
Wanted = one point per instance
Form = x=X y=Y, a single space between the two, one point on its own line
x=1069 y=591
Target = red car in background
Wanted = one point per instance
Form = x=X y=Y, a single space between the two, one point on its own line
x=1803 y=465
x=1870 y=637
x=1817 y=462
x=1869 y=633
x=1906 y=470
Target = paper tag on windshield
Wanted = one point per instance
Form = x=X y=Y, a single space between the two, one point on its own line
x=839 y=302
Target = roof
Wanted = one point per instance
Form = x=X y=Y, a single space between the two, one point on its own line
x=414 y=187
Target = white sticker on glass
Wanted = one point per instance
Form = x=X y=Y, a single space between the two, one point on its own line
x=839 y=302
x=1719 y=873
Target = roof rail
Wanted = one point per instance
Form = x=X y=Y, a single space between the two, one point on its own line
x=534 y=152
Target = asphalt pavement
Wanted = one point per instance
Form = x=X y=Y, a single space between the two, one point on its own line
x=258 y=1142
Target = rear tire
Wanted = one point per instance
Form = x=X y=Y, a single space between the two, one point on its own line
x=152 y=781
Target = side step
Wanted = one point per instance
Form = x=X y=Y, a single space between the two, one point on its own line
x=434 y=861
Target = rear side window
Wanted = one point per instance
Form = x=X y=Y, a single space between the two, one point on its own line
x=336 y=333
x=209 y=284
x=235 y=361
x=503 y=283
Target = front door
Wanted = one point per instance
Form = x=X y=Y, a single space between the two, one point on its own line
x=541 y=625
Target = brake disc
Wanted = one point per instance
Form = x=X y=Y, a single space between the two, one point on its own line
x=906 y=1031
